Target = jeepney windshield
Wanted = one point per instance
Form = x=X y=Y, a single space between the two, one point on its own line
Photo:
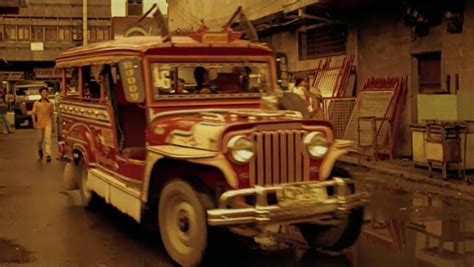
x=213 y=79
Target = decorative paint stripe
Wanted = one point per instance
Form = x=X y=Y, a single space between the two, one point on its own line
x=100 y=114
x=82 y=104
x=86 y=120
x=76 y=140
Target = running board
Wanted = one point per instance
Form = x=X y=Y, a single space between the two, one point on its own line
x=115 y=193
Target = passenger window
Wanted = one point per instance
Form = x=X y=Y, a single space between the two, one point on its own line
x=91 y=78
x=209 y=78
x=72 y=83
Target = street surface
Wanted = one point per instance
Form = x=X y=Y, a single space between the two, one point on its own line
x=407 y=224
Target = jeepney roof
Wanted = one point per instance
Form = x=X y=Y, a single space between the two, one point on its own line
x=111 y=51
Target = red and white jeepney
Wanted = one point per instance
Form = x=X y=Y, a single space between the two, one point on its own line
x=172 y=133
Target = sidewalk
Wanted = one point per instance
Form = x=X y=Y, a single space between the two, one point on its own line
x=406 y=169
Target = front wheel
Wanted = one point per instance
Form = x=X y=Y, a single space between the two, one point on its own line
x=337 y=237
x=183 y=222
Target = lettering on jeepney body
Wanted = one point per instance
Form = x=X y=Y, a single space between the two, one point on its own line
x=130 y=72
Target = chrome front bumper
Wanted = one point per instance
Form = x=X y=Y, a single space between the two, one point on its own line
x=328 y=206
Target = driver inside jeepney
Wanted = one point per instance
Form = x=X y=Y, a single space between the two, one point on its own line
x=205 y=85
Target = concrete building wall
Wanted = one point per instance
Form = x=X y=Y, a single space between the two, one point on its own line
x=65 y=8
x=119 y=7
x=386 y=48
x=287 y=42
x=187 y=14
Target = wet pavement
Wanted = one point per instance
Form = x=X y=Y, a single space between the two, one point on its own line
x=407 y=224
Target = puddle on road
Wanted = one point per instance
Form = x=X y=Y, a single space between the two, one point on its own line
x=411 y=229
x=13 y=253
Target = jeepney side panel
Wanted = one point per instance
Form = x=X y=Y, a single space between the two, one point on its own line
x=210 y=168
x=102 y=134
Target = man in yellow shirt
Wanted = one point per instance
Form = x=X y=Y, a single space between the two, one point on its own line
x=43 y=112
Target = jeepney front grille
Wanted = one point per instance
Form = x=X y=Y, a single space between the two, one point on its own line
x=279 y=158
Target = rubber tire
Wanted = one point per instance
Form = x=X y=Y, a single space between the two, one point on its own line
x=71 y=176
x=89 y=198
x=180 y=190
x=335 y=238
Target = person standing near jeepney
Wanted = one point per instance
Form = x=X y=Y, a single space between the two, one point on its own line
x=311 y=99
x=3 y=112
x=43 y=117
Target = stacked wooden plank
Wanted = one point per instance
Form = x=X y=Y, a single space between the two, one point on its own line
x=378 y=112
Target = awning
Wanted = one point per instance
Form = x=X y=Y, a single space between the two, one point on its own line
x=292 y=16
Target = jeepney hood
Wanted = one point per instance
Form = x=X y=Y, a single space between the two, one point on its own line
x=203 y=129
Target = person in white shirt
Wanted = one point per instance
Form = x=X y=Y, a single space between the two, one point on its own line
x=312 y=100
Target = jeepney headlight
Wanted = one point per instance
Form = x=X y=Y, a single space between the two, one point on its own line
x=241 y=149
x=316 y=144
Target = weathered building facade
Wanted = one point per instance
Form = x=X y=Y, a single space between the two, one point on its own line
x=287 y=25
x=128 y=18
x=385 y=40
x=42 y=29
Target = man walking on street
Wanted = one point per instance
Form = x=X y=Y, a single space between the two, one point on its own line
x=3 y=111
x=43 y=123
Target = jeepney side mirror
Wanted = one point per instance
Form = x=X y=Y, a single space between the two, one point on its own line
x=281 y=63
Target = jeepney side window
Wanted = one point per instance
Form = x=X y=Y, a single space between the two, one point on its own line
x=222 y=78
x=91 y=82
x=72 y=82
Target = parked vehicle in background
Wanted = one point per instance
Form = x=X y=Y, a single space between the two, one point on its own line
x=24 y=95
x=172 y=132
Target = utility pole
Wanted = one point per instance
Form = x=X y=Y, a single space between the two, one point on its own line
x=84 y=23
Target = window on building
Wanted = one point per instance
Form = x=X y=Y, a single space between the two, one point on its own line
x=64 y=34
x=77 y=34
x=323 y=41
x=92 y=34
x=134 y=8
x=37 y=33
x=102 y=33
x=10 y=33
x=51 y=33
x=429 y=72
x=23 y=33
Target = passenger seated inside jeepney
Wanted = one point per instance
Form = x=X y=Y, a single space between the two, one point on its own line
x=92 y=90
x=209 y=78
x=176 y=88
x=204 y=85
x=180 y=89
